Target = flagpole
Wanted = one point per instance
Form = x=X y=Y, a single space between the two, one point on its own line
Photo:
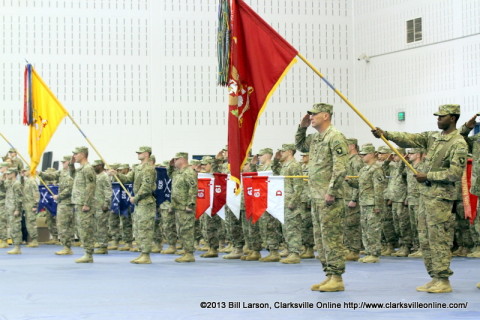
x=356 y=111
x=98 y=153
x=23 y=159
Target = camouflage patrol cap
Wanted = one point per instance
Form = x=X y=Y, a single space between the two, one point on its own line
x=445 y=109
x=320 y=107
x=50 y=170
x=12 y=150
x=144 y=149
x=400 y=150
x=207 y=160
x=115 y=166
x=97 y=163
x=367 y=148
x=66 y=158
x=265 y=151
x=287 y=146
x=384 y=149
x=165 y=163
x=80 y=150
x=122 y=166
x=416 y=150
x=194 y=162
x=181 y=155
x=352 y=141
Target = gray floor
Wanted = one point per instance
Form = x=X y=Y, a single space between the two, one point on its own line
x=40 y=285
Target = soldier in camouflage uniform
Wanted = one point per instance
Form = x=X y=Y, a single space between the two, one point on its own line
x=114 y=231
x=83 y=199
x=474 y=148
x=103 y=199
x=284 y=164
x=3 y=213
x=398 y=197
x=370 y=184
x=270 y=227
x=307 y=224
x=184 y=199
x=388 y=230
x=15 y=161
x=327 y=171
x=211 y=225
x=31 y=195
x=65 y=208
x=445 y=160
x=144 y=182
x=13 y=207
x=126 y=219
x=415 y=158
x=233 y=226
x=353 y=230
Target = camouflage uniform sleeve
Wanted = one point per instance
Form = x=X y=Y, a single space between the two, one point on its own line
x=66 y=191
x=170 y=171
x=106 y=191
x=378 y=181
x=192 y=190
x=18 y=196
x=126 y=178
x=297 y=184
x=35 y=193
x=146 y=188
x=357 y=166
x=276 y=167
x=457 y=159
x=408 y=140
x=353 y=182
x=302 y=141
x=339 y=149
x=464 y=131
x=90 y=179
x=217 y=165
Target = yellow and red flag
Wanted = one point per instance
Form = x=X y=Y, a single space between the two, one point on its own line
x=259 y=59
x=42 y=113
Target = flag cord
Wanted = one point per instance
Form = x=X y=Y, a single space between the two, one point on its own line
x=356 y=111
x=98 y=153
x=23 y=159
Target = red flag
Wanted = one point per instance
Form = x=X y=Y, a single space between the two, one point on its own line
x=220 y=192
x=259 y=199
x=259 y=59
x=248 y=192
x=203 y=196
x=469 y=200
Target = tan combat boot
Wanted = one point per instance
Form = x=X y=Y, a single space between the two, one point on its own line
x=388 y=250
x=101 y=251
x=333 y=285
x=292 y=258
x=3 y=244
x=416 y=254
x=352 y=256
x=64 y=252
x=370 y=259
x=427 y=285
x=187 y=257
x=134 y=249
x=235 y=254
x=284 y=253
x=96 y=245
x=402 y=252
x=126 y=247
x=87 y=258
x=211 y=253
x=308 y=253
x=474 y=254
x=318 y=285
x=253 y=256
x=113 y=245
x=143 y=259
x=170 y=250
x=273 y=256
x=441 y=286
x=156 y=248
x=15 y=250
x=227 y=249
x=33 y=244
